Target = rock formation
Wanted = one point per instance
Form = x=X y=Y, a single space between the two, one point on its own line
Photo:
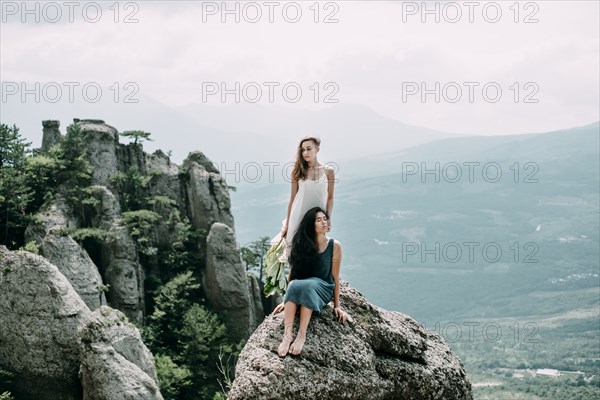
x=198 y=192
x=378 y=355
x=257 y=311
x=39 y=317
x=207 y=193
x=61 y=250
x=48 y=334
x=115 y=363
x=226 y=285
x=117 y=267
x=119 y=260
x=102 y=141
x=51 y=134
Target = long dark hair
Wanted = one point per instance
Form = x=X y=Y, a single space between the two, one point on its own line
x=300 y=170
x=305 y=252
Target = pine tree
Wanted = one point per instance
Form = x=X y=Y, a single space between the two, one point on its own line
x=14 y=191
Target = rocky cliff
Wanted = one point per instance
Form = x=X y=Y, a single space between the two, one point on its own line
x=378 y=355
x=198 y=192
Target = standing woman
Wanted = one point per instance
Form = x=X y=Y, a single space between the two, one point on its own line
x=312 y=186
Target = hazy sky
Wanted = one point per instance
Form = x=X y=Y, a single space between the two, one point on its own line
x=379 y=53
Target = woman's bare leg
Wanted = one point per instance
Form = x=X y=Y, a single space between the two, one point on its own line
x=305 y=314
x=289 y=312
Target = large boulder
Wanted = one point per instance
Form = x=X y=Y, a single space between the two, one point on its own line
x=115 y=363
x=378 y=355
x=50 y=340
x=76 y=265
x=226 y=285
x=40 y=313
x=61 y=250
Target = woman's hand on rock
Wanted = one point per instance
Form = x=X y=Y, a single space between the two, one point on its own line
x=278 y=309
x=341 y=315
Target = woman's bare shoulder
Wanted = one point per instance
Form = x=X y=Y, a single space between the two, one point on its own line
x=329 y=170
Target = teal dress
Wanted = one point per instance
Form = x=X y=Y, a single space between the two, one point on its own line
x=314 y=292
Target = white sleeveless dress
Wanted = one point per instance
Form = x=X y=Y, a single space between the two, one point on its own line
x=311 y=193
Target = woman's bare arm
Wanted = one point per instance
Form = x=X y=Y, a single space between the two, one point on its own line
x=330 y=185
x=341 y=315
x=292 y=196
x=335 y=272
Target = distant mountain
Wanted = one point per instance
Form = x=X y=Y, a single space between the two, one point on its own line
x=346 y=130
x=534 y=146
x=230 y=134
x=169 y=127
x=542 y=213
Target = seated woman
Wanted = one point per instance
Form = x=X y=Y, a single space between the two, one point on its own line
x=314 y=278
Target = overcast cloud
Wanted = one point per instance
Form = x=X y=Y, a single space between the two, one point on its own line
x=370 y=55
